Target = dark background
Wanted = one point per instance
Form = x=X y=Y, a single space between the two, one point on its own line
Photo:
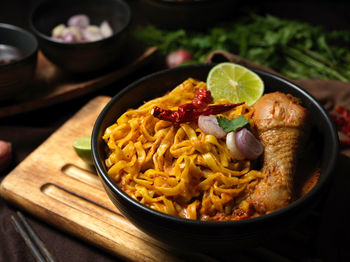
x=27 y=131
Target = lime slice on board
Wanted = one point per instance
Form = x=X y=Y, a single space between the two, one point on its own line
x=83 y=148
x=235 y=83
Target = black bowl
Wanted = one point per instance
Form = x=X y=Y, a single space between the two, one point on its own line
x=16 y=75
x=190 y=14
x=88 y=56
x=208 y=235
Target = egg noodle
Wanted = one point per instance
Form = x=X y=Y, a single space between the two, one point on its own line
x=177 y=169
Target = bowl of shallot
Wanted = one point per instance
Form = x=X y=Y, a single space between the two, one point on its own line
x=81 y=36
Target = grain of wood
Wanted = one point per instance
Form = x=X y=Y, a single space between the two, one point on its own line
x=76 y=205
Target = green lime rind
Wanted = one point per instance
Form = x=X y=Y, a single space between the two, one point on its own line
x=82 y=147
x=234 y=83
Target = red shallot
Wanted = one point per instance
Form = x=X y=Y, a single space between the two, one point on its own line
x=209 y=125
x=177 y=57
x=248 y=144
x=106 y=29
x=232 y=146
x=91 y=33
x=244 y=145
x=80 y=21
x=5 y=154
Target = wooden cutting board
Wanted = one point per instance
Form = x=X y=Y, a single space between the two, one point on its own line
x=54 y=184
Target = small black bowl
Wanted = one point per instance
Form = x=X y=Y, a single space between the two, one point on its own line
x=88 y=56
x=209 y=235
x=22 y=46
x=187 y=14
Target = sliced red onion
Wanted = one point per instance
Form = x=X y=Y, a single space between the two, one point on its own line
x=232 y=146
x=209 y=125
x=248 y=144
x=79 y=21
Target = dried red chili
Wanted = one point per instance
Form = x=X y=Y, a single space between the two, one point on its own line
x=191 y=111
x=202 y=98
x=186 y=113
x=345 y=142
x=345 y=113
x=342 y=122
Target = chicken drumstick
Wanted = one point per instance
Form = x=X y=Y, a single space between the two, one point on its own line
x=281 y=126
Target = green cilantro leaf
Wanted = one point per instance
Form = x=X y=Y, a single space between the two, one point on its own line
x=232 y=125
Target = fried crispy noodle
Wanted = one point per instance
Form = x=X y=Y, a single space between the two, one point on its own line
x=177 y=169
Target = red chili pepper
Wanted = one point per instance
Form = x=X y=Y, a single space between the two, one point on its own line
x=342 y=121
x=192 y=111
x=345 y=113
x=217 y=109
x=345 y=142
x=202 y=98
x=186 y=113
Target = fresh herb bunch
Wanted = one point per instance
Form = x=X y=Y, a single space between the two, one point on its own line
x=295 y=49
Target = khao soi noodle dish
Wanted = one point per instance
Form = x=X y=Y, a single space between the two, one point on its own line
x=191 y=156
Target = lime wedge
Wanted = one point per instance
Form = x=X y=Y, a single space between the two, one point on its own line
x=235 y=83
x=83 y=148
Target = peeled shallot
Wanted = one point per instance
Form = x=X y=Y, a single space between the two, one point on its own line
x=209 y=125
x=244 y=145
x=232 y=146
x=79 y=30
